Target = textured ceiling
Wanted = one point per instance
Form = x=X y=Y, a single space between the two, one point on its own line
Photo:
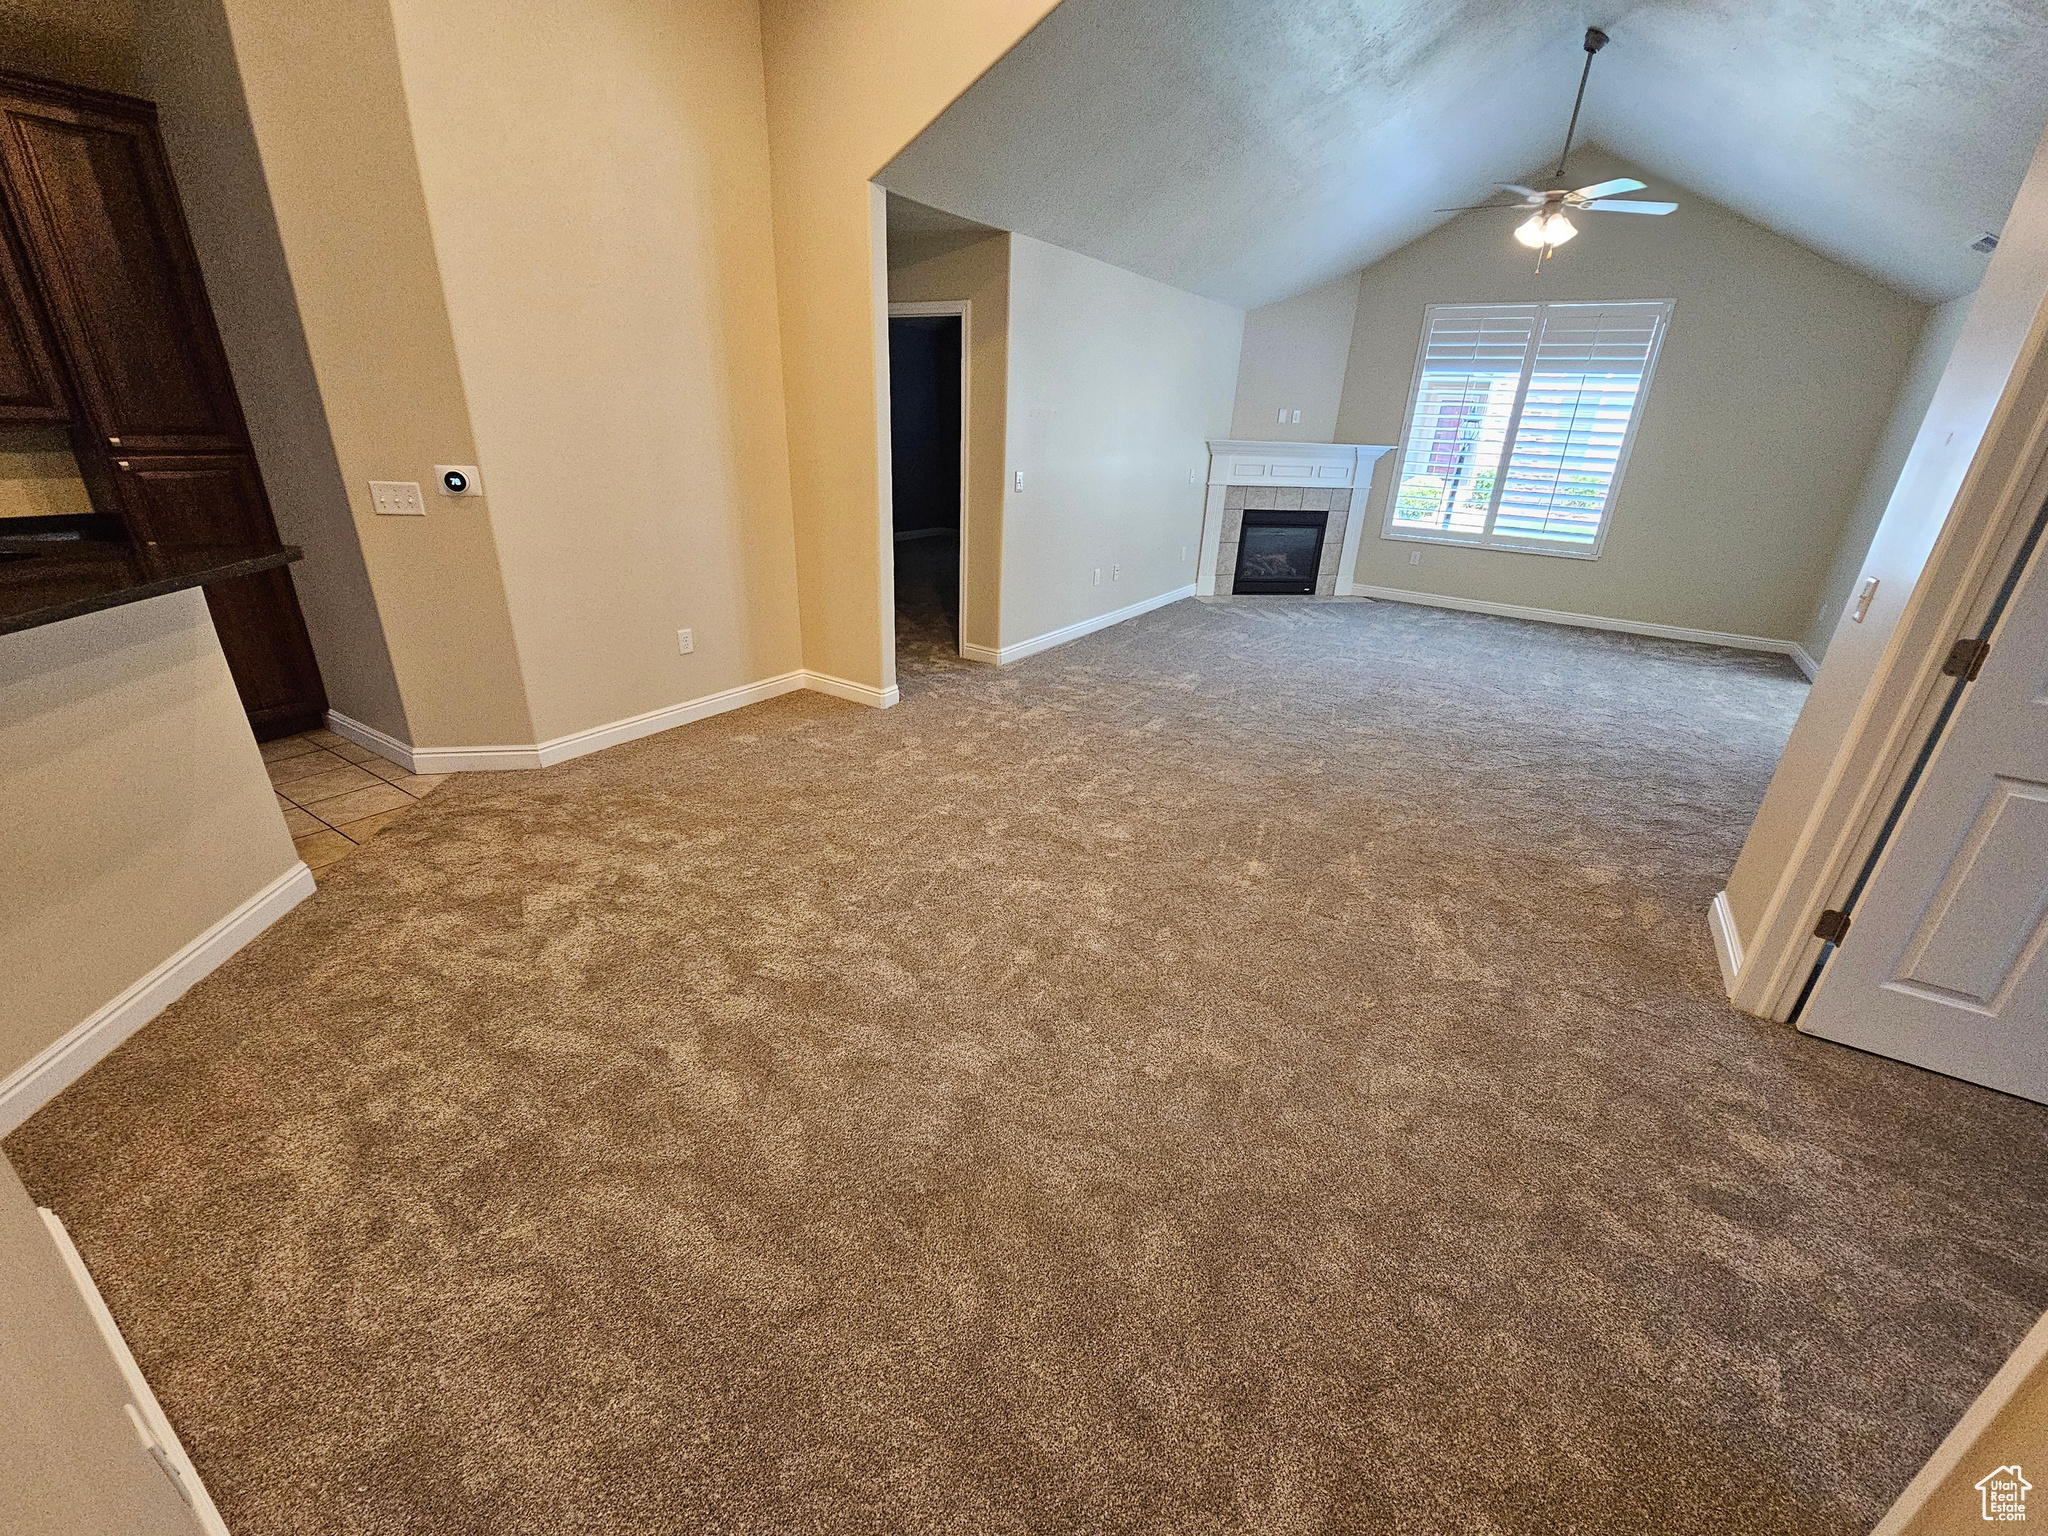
x=1251 y=149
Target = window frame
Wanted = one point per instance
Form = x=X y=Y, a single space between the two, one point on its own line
x=1485 y=539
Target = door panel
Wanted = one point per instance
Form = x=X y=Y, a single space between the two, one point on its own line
x=1981 y=925
x=105 y=236
x=1946 y=962
x=185 y=499
x=30 y=389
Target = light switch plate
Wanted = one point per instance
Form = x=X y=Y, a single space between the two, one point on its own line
x=397 y=498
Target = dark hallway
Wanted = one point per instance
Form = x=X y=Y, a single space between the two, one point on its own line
x=925 y=421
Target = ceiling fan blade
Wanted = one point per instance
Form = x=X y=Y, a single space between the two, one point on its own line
x=1509 y=186
x=1486 y=208
x=1602 y=188
x=1611 y=205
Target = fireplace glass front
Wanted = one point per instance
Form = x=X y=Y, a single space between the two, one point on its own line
x=1280 y=551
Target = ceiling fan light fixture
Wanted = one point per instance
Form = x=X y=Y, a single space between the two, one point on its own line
x=1545 y=229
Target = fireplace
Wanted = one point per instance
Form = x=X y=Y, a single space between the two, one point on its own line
x=1271 y=506
x=1280 y=551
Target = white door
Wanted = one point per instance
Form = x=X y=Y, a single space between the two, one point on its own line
x=1946 y=960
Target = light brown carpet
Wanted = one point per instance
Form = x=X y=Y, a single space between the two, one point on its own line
x=1260 y=1068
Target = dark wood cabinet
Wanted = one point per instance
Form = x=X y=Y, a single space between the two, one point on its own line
x=31 y=389
x=263 y=635
x=94 y=199
x=107 y=326
x=194 y=498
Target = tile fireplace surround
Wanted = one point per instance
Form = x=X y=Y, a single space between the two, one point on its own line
x=1304 y=477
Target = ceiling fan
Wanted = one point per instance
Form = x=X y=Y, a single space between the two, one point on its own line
x=1547 y=226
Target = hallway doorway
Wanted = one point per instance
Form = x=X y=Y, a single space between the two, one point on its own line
x=927 y=414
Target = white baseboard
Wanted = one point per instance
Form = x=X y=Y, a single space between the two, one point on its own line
x=559 y=750
x=162 y=1437
x=29 y=1087
x=1588 y=621
x=1046 y=642
x=854 y=693
x=1727 y=942
x=1804 y=662
x=370 y=739
x=987 y=653
x=597 y=738
x=474 y=759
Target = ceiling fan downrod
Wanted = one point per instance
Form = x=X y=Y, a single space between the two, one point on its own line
x=1595 y=41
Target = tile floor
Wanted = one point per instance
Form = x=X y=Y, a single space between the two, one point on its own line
x=336 y=796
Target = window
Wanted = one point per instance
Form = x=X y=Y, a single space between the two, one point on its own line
x=1520 y=423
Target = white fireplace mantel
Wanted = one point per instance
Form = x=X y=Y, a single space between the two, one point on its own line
x=1331 y=477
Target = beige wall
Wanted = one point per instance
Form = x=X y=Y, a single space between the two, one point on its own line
x=186 y=65
x=134 y=809
x=850 y=82
x=82 y=42
x=595 y=173
x=1116 y=384
x=2007 y=1424
x=1295 y=354
x=1994 y=333
x=1930 y=360
x=980 y=274
x=69 y=1463
x=1772 y=390
x=325 y=99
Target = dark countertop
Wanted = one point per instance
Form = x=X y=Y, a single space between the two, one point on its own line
x=45 y=581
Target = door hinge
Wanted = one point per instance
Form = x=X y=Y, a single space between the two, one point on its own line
x=1833 y=926
x=1966 y=659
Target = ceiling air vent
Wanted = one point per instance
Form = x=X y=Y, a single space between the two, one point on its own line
x=1987 y=245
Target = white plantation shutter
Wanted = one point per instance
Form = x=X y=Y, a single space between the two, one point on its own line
x=1521 y=420
x=1472 y=363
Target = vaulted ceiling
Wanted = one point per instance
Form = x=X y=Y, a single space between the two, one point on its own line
x=1251 y=149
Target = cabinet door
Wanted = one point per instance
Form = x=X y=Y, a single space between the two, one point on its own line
x=107 y=243
x=195 y=498
x=184 y=499
x=29 y=386
x=263 y=635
